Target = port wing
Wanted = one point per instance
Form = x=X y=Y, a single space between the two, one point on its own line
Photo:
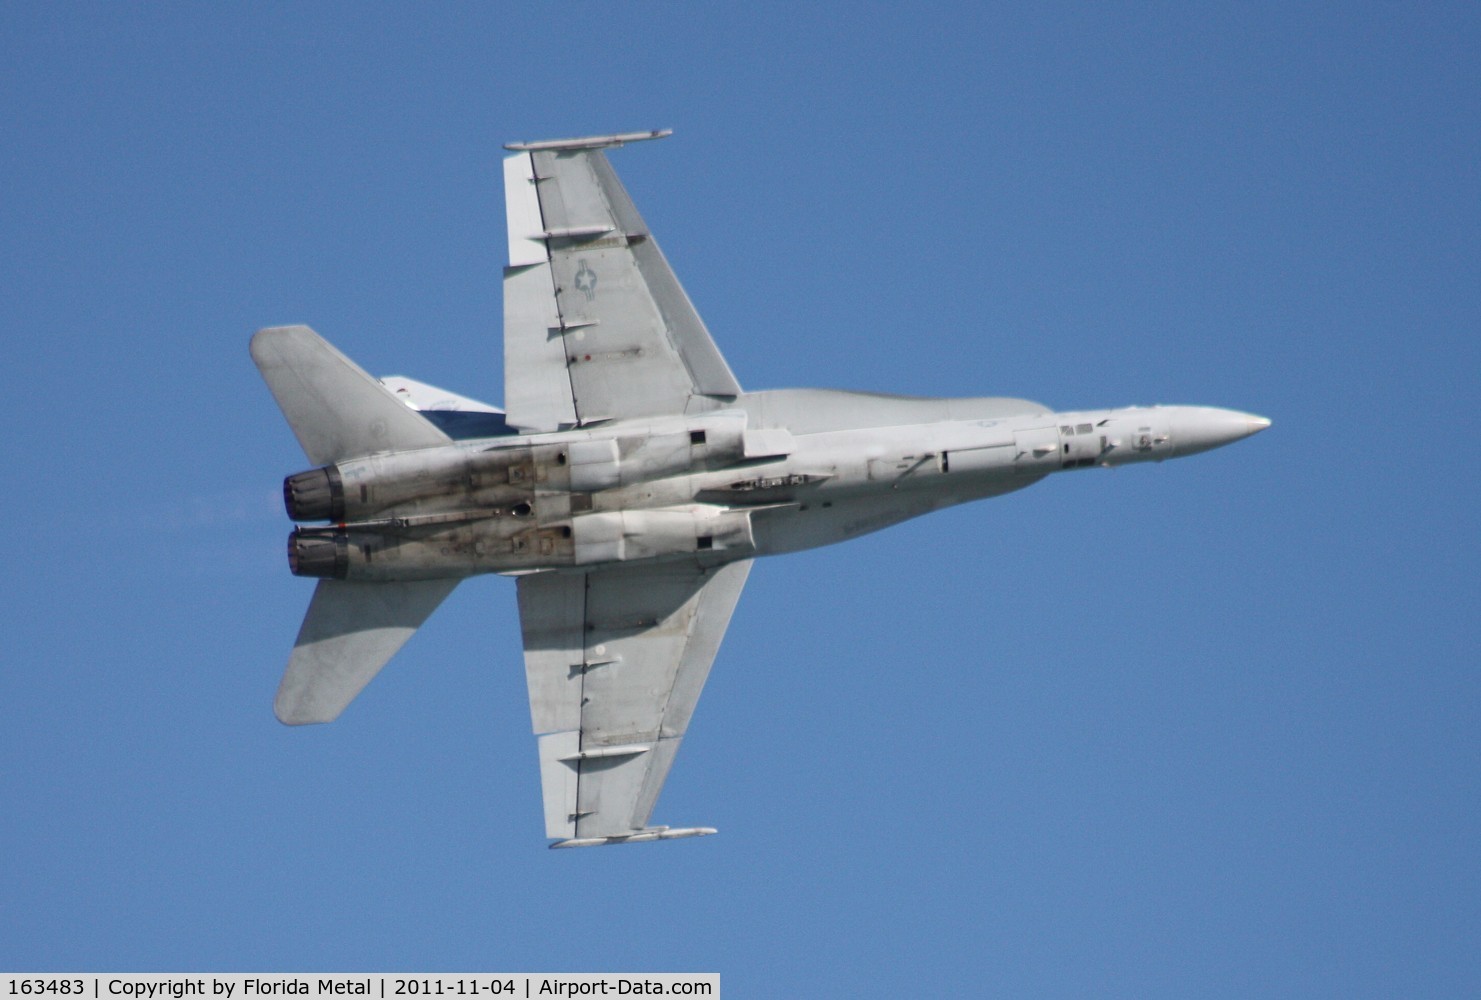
x=615 y=660
x=596 y=326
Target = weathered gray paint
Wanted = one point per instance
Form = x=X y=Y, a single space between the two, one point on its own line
x=641 y=488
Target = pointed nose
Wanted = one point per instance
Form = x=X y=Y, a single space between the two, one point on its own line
x=1199 y=428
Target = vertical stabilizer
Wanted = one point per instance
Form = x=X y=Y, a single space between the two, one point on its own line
x=350 y=631
x=336 y=410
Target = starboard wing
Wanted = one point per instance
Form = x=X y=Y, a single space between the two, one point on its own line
x=615 y=660
x=596 y=326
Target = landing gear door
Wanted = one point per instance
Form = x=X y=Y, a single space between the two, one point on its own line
x=1037 y=450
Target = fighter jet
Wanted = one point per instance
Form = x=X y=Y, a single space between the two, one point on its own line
x=626 y=487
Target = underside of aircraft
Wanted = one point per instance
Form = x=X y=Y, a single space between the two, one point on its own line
x=627 y=486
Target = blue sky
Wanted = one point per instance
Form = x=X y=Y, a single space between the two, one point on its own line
x=1207 y=728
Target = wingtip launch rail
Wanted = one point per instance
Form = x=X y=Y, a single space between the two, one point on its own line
x=642 y=836
x=589 y=142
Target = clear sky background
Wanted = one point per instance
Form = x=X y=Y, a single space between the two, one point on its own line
x=1207 y=728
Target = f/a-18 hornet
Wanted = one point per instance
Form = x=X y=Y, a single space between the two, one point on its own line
x=627 y=486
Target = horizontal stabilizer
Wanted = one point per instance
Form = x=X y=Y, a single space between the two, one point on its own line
x=459 y=417
x=350 y=631
x=421 y=396
x=336 y=410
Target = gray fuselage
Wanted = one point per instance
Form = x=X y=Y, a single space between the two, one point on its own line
x=771 y=472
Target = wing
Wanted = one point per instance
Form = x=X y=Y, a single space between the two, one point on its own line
x=596 y=326
x=615 y=660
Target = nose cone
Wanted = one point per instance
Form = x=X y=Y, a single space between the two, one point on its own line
x=1199 y=428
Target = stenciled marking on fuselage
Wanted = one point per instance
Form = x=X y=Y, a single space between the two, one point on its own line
x=771 y=483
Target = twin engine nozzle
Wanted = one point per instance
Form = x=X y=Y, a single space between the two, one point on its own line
x=319 y=552
x=315 y=495
x=460 y=510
